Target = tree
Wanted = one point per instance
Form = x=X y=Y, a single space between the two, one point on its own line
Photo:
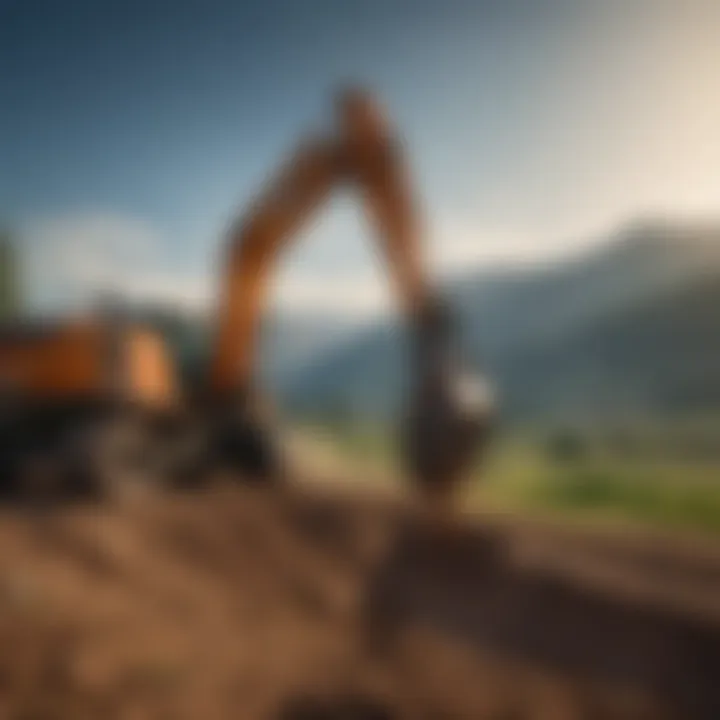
x=9 y=281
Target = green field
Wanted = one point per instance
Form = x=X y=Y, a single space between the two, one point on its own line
x=658 y=479
x=659 y=492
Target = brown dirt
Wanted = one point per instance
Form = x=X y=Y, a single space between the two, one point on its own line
x=240 y=603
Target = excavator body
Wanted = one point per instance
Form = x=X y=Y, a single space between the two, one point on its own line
x=68 y=392
x=71 y=389
x=77 y=361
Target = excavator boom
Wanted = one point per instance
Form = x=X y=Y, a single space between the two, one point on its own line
x=254 y=243
x=364 y=153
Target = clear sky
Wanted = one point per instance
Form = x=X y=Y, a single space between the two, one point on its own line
x=130 y=131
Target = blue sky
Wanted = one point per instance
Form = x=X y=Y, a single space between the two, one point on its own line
x=130 y=132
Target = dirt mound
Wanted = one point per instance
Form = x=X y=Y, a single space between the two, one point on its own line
x=243 y=603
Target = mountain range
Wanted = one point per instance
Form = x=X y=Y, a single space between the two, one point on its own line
x=631 y=328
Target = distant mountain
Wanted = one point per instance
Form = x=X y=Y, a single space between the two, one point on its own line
x=659 y=357
x=291 y=343
x=631 y=328
x=287 y=343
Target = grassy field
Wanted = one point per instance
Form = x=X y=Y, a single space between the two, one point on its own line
x=603 y=486
x=653 y=485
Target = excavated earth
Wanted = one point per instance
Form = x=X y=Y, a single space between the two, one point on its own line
x=330 y=604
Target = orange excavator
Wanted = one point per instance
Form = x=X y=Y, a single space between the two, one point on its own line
x=449 y=409
x=72 y=381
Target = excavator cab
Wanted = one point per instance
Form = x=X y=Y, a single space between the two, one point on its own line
x=79 y=400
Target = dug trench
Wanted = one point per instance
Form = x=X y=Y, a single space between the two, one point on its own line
x=328 y=604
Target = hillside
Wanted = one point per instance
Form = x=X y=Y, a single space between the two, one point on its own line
x=656 y=357
x=320 y=605
x=630 y=327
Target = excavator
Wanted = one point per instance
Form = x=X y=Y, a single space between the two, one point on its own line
x=224 y=420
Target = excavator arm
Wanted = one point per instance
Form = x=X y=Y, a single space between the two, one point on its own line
x=364 y=153
x=375 y=162
x=442 y=426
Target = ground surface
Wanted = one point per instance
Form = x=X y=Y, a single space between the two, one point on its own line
x=324 y=604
